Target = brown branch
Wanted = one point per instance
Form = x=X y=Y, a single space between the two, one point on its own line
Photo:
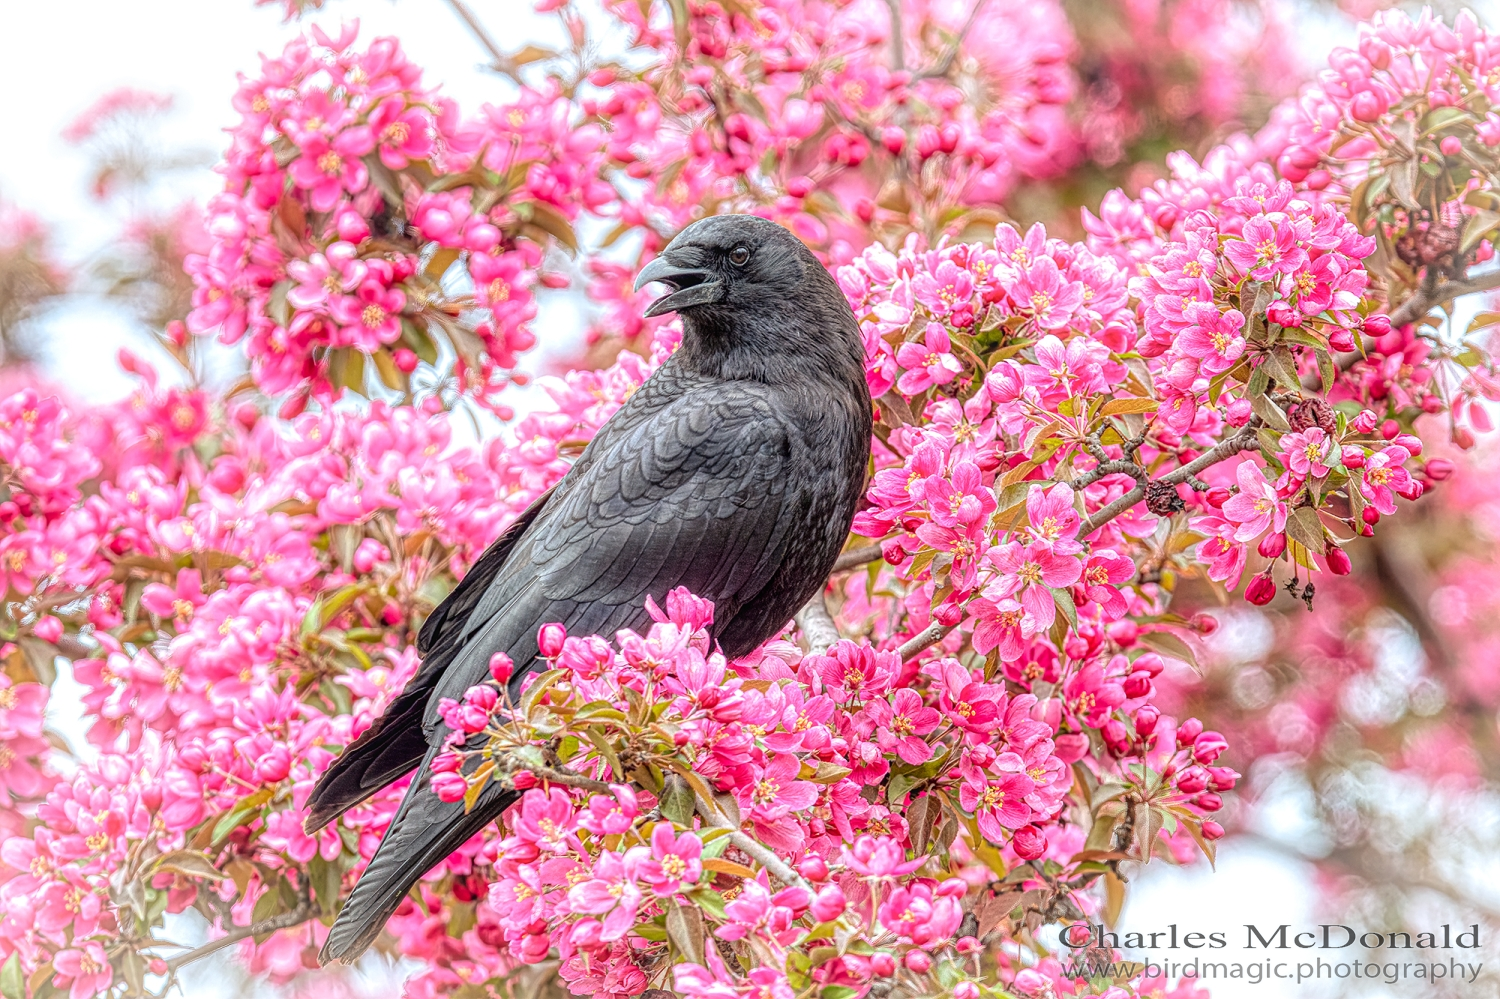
x=713 y=815
x=856 y=557
x=1242 y=441
x=924 y=640
x=898 y=39
x=501 y=63
x=817 y=625
x=943 y=65
x=1426 y=299
x=306 y=910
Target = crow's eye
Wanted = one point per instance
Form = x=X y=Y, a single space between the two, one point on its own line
x=739 y=256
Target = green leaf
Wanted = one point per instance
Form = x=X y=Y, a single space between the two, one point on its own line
x=1169 y=644
x=191 y=863
x=327 y=883
x=685 y=930
x=677 y=801
x=12 y=982
x=1129 y=404
x=1269 y=412
x=1304 y=527
x=1064 y=599
x=236 y=817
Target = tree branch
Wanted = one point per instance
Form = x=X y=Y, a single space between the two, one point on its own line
x=817 y=626
x=1242 y=441
x=856 y=557
x=501 y=63
x=1426 y=299
x=924 y=640
x=306 y=910
x=898 y=39
x=943 y=65
x=767 y=859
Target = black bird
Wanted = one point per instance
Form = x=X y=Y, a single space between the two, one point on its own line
x=733 y=471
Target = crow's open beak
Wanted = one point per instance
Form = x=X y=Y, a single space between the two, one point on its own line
x=693 y=286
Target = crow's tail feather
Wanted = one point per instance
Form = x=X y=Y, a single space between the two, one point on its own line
x=425 y=830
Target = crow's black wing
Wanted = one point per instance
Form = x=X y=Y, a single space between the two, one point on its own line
x=695 y=496
x=395 y=742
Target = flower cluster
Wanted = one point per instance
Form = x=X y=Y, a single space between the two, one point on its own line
x=875 y=794
x=362 y=217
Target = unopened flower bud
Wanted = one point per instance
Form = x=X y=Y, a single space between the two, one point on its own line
x=952 y=888
x=1272 y=545
x=966 y=990
x=1389 y=429
x=966 y=945
x=1338 y=560
x=449 y=786
x=1149 y=663
x=814 y=868
x=1209 y=801
x=882 y=964
x=1212 y=830
x=1029 y=842
x=1145 y=720
x=1216 y=497
x=1377 y=325
x=1188 y=731
x=918 y=962
x=829 y=904
x=1204 y=623
x=550 y=638
x=1208 y=747
x=1192 y=780
x=1137 y=685
x=1261 y=590
x=501 y=667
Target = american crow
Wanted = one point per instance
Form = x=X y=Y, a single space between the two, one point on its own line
x=733 y=471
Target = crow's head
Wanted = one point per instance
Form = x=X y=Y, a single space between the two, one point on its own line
x=738 y=261
x=748 y=291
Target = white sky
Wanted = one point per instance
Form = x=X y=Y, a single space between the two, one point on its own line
x=60 y=55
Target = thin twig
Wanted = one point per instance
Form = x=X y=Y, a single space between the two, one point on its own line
x=856 y=557
x=568 y=778
x=1242 y=441
x=943 y=65
x=767 y=859
x=817 y=625
x=924 y=639
x=306 y=910
x=502 y=63
x=898 y=39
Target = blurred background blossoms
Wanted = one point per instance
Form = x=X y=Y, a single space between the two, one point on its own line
x=1179 y=542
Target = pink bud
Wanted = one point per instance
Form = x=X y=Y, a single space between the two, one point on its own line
x=481 y=696
x=274 y=765
x=1439 y=468
x=1029 y=842
x=1149 y=663
x=1377 y=324
x=368 y=554
x=447 y=763
x=1238 y=413
x=812 y=867
x=952 y=888
x=893 y=139
x=882 y=964
x=829 y=904
x=1304 y=157
x=1411 y=442
x=948 y=615
x=449 y=787
x=1115 y=735
x=1188 y=731
x=1341 y=340
x=156 y=966
x=1272 y=545
x=501 y=667
x=1204 y=623
x=1370 y=515
x=1208 y=747
x=1212 y=830
x=550 y=639
x=1146 y=718
x=1368 y=105
x=1222 y=778
x=524 y=780
x=1137 y=685
x=1338 y=560
x=1353 y=456
x=1261 y=590
x=406 y=360
x=1216 y=497
x=1192 y=780
x=966 y=945
x=918 y=962
x=1451 y=145
x=48 y=628
x=1070 y=748
x=966 y=990
x=1209 y=801
x=1389 y=429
